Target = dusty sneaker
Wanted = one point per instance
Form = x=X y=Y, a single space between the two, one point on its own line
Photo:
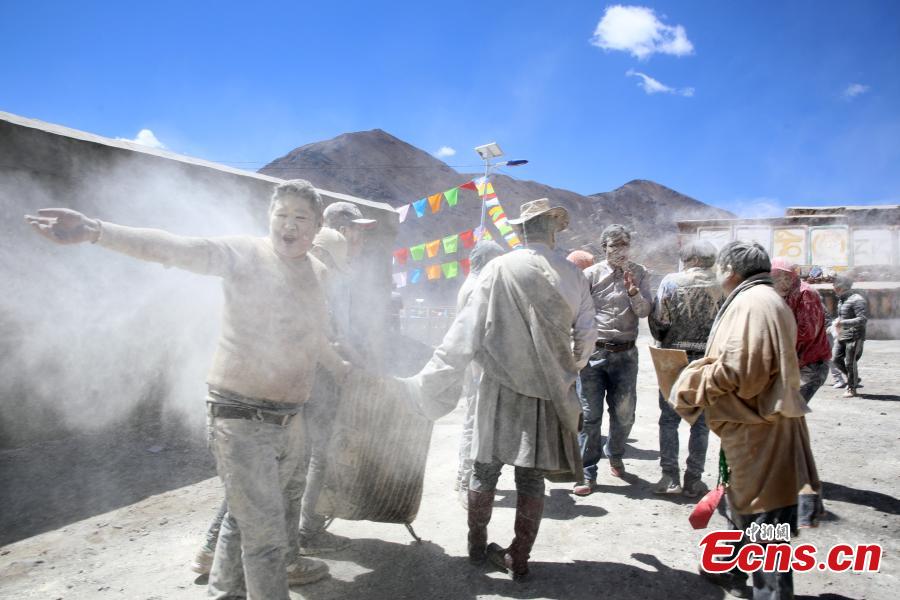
x=584 y=488
x=667 y=484
x=203 y=560
x=306 y=570
x=839 y=384
x=694 y=488
x=322 y=543
x=849 y=393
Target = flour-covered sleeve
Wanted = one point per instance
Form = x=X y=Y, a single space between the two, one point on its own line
x=206 y=256
x=660 y=318
x=642 y=302
x=584 y=332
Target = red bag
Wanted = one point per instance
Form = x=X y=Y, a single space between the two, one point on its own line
x=704 y=510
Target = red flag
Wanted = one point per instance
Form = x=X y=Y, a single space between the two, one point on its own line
x=469 y=186
x=467 y=238
x=465 y=265
x=401 y=255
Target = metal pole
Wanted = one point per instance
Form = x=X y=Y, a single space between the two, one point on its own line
x=487 y=169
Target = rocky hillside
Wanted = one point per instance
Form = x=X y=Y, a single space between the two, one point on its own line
x=378 y=166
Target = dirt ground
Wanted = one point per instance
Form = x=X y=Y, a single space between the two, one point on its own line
x=121 y=516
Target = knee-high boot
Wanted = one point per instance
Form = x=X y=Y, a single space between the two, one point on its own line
x=529 y=510
x=481 y=505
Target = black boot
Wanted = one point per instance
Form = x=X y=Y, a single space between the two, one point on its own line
x=481 y=504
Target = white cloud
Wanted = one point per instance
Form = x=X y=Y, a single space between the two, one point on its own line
x=855 y=89
x=146 y=137
x=637 y=30
x=445 y=152
x=758 y=208
x=652 y=86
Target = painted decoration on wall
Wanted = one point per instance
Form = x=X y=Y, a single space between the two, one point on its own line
x=762 y=235
x=717 y=235
x=872 y=247
x=829 y=246
x=789 y=243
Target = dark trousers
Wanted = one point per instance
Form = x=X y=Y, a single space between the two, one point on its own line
x=767 y=586
x=846 y=355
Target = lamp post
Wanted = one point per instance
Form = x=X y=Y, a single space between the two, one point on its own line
x=488 y=152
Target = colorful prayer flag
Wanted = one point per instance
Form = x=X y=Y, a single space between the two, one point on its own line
x=432 y=248
x=419 y=205
x=452 y=196
x=465 y=264
x=469 y=185
x=404 y=212
x=433 y=272
x=450 y=269
x=467 y=238
x=434 y=201
x=417 y=252
x=415 y=276
x=451 y=243
x=401 y=255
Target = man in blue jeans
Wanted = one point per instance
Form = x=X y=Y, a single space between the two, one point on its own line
x=620 y=290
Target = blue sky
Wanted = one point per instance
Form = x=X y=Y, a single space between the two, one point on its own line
x=747 y=105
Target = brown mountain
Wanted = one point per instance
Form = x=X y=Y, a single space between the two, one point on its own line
x=378 y=166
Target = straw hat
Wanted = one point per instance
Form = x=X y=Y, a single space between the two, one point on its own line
x=536 y=208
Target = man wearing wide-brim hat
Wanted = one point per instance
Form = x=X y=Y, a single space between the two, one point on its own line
x=529 y=325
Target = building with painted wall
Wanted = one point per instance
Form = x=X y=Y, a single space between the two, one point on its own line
x=862 y=240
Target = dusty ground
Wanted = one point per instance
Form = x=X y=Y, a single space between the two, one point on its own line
x=621 y=542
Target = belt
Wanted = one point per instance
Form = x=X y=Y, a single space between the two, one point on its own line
x=690 y=346
x=615 y=347
x=227 y=411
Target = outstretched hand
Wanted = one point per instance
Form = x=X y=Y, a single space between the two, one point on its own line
x=64 y=226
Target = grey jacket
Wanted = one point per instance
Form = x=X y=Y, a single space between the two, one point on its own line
x=684 y=309
x=853 y=310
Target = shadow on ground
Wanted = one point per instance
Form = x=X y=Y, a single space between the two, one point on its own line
x=877 y=500
x=373 y=568
x=52 y=484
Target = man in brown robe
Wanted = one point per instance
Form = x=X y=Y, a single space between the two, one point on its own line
x=748 y=388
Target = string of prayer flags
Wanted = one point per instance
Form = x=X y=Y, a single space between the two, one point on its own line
x=399 y=279
x=433 y=271
x=415 y=276
x=417 y=252
x=432 y=248
x=451 y=243
x=401 y=255
x=467 y=238
x=469 y=185
x=403 y=211
x=419 y=205
x=434 y=201
x=451 y=196
x=450 y=269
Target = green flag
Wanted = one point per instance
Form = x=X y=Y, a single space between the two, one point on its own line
x=450 y=269
x=417 y=252
x=451 y=243
x=451 y=196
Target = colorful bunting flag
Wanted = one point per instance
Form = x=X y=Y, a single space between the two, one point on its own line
x=494 y=211
x=452 y=196
x=467 y=238
x=417 y=252
x=419 y=205
x=432 y=248
x=434 y=202
x=451 y=243
x=415 y=276
x=465 y=264
x=433 y=271
x=400 y=279
x=450 y=269
x=469 y=185
x=404 y=212
x=401 y=255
